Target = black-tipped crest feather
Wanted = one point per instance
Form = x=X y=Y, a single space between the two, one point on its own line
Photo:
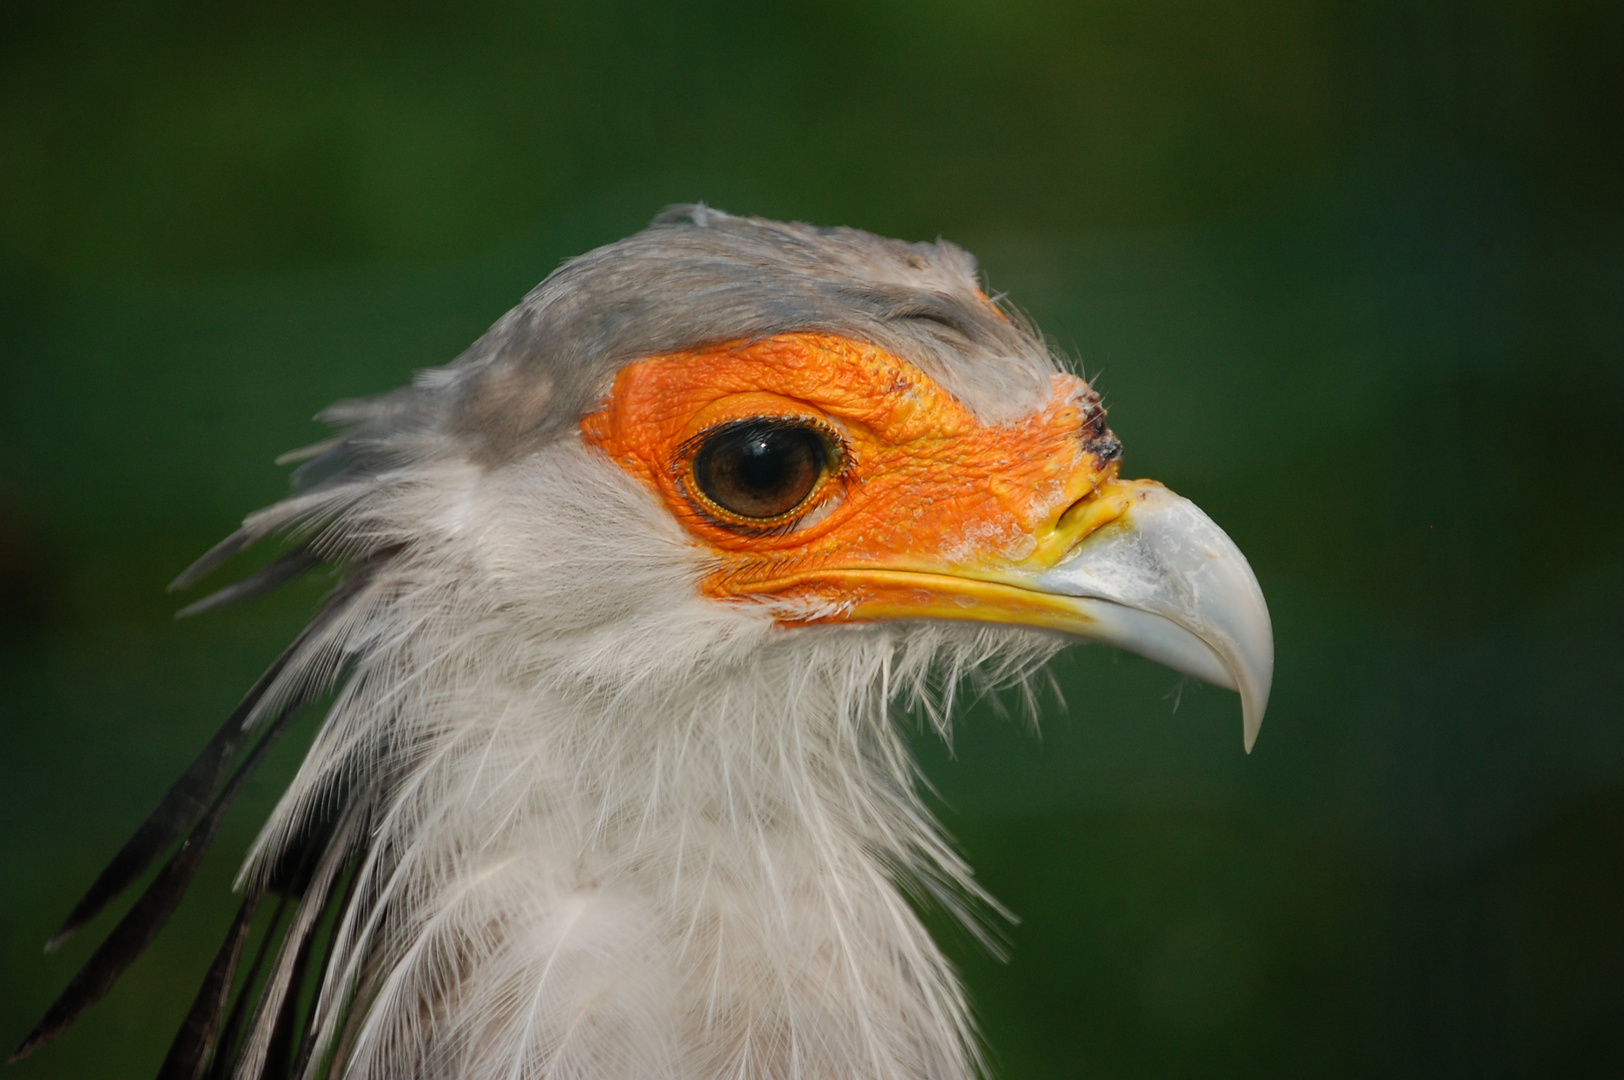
x=195 y=1042
x=269 y=1042
x=189 y=796
x=215 y=557
x=284 y=569
x=149 y=914
x=223 y=1064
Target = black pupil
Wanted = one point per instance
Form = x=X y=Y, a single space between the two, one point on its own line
x=760 y=470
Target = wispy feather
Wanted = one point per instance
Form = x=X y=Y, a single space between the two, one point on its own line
x=565 y=816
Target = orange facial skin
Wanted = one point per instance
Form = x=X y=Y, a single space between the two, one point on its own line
x=924 y=506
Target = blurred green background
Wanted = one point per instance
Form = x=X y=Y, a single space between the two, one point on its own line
x=1352 y=277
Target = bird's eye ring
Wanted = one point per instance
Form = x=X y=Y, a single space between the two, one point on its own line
x=761 y=472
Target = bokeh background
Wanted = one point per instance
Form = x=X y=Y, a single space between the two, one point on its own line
x=1351 y=275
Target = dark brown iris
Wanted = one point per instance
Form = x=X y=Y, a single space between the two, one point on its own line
x=760 y=469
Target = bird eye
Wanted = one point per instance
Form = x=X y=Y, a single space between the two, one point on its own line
x=761 y=469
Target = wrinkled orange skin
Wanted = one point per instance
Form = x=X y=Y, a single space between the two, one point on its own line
x=924 y=488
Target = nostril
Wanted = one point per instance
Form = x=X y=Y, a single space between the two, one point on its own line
x=1072 y=516
x=1103 y=504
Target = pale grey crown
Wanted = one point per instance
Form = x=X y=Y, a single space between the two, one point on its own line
x=695 y=277
x=699 y=277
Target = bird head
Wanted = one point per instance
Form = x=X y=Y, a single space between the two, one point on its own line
x=626 y=589
x=831 y=482
x=802 y=429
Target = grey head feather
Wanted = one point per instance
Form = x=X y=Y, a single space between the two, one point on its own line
x=698 y=277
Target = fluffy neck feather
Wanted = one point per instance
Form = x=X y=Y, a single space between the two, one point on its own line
x=615 y=829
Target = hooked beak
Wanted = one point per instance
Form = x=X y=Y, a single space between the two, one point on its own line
x=1132 y=565
x=1162 y=580
x=936 y=514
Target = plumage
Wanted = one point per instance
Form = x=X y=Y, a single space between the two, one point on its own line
x=610 y=785
x=194 y=1044
x=145 y=919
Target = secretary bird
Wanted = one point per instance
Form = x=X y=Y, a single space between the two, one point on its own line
x=608 y=784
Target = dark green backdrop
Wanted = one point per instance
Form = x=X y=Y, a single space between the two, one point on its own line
x=1352 y=274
